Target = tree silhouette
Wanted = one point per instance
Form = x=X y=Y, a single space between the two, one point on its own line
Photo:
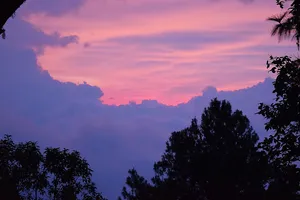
x=26 y=173
x=283 y=115
x=283 y=147
x=20 y=169
x=139 y=187
x=287 y=24
x=218 y=159
x=7 y=10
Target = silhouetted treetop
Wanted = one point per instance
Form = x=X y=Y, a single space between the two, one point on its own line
x=27 y=174
x=218 y=159
x=287 y=24
x=283 y=118
x=283 y=115
x=7 y=10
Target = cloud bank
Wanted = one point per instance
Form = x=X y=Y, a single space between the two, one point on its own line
x=160 y=49
x=34 y=106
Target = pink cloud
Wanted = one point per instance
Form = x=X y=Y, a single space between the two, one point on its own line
x=129 y=70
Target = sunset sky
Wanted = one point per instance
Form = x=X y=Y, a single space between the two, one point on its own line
x=167 y=50
x=171 y=57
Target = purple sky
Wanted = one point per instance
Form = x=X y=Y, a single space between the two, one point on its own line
x=178 y=53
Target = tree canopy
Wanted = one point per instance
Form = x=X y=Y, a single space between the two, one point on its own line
x=7 y=10
x=283 y=115
x=287 y=23
x=218 y=159
x=56 y=174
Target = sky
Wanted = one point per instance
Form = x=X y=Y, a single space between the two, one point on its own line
x=113 y=79
x=167 y=50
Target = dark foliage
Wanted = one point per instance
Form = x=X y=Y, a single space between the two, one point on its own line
x=7 y=10
x=287 y=24
x=283 y=146
x=218 y=159
x=26 y=173
x=283 y=115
